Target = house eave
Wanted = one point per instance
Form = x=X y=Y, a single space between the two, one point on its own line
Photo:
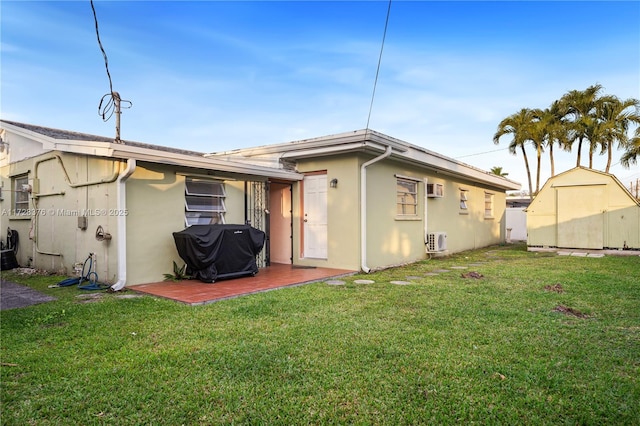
x=108 y=149
x=374 y=143
x=181 y=160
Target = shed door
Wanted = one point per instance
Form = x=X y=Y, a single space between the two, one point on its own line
x=315 y=216
x=580 y=220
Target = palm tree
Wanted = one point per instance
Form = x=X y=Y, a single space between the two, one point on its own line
x=581 y=108
x=498 y=171
x=616 y=117
x=538 y=134
x=557 y=132
x=519 y=126
x=632 y=150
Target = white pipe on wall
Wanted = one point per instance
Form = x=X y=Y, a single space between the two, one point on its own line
x=426 y=239
x=363 y=207
x=122 y=224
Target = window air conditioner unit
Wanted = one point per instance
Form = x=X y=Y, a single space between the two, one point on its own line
x=436 y=241
x=435 y=190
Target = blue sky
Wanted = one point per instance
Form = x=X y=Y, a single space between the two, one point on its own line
x=213 y=75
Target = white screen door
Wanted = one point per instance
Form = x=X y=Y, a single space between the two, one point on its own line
x=315 y=216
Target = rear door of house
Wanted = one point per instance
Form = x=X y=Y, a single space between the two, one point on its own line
x=580 y=219
x=315 y=216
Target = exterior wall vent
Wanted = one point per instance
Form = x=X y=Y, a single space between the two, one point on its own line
x=435 y=190
x=436 y=241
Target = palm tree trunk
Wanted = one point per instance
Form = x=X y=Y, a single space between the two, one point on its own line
x=553 y=171
x=539 y=158
x=609 y=148
x=526 y=164
x=579 y=151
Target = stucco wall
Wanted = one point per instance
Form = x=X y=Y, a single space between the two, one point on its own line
x=343 y=213
x=466 y=229
x=234 y=202
x=52 y=239
x=155 y=209
x=391 y=239
x=155 y=201
x=18 y=148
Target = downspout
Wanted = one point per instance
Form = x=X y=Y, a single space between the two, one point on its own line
x=426 y=198
x=122 y=224
x=363 y=208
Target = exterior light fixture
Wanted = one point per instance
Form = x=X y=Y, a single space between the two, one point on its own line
x=333 y=183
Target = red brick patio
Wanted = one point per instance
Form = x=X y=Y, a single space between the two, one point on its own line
x=195 y=292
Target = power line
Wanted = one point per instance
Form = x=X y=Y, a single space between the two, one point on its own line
x=482 y=153
x=104 y=54
x=113 y=102
x=375 y=82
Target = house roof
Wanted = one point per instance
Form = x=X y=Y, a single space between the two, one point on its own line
x=84 y=143
x=365 y=141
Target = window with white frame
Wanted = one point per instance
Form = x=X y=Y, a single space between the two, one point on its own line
x=406 y=197
x=464 y=197
x=204 y=201
x=21 y=194
x=488 y=205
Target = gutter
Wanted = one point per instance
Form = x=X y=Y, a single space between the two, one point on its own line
x=122 y=224
x=363 y=207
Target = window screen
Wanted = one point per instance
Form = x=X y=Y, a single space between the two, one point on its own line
x=204 y=202
x=407 y=197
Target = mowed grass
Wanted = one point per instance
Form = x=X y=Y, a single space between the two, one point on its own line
x=441 y=350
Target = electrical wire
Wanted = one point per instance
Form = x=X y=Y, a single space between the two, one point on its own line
x=110 y=102
x=482 y=153
x=375 y=82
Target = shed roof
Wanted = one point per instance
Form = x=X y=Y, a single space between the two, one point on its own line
x=550 y=183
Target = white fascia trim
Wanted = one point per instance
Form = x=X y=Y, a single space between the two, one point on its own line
x=452 y=167
x=330 y=143
x=170 y=158
x=368 y=139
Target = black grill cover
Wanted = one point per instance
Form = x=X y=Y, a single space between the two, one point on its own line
x=215 y=252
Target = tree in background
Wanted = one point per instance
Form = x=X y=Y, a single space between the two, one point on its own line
x=581 y=108
x=498 y=171
x=616 y=116
x=557 y=132
x=518 y=125
x=632 y=151
x=582 y=116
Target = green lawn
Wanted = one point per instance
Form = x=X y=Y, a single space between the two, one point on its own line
x=441 y=350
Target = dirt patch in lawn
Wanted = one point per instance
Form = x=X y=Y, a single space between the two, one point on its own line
x=570 y=311
x=472 y=274
x=557 y=288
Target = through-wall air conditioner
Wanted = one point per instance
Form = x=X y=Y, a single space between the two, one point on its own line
x=436 y=241
x=435 y=190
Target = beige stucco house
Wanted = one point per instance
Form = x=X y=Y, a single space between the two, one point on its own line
x=356 y=201
x=69 y=194
x=368 y=200
x=586 y=209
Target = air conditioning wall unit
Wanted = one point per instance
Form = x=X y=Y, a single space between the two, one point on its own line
x=436 y=241
x=435 y=190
